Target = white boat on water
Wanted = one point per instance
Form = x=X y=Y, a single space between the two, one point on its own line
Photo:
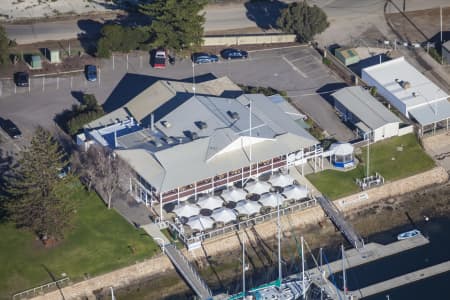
x=408 y=234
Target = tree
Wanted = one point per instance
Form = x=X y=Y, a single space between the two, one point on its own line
x=4 y=47
x=303 y=20
x=35 y=204
x=102 y=169
x=176 y=24
x=118 y=38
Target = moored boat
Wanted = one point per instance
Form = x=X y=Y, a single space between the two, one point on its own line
x=408 y=234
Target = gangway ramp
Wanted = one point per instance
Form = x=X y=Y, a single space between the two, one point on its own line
x=181 y=263
x=338 y=220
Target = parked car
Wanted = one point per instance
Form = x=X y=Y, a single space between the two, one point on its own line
x=202 y=58
x=22 y=79
x=159 y=59
x=10 y=128
x=90 y=72
x=231 y=53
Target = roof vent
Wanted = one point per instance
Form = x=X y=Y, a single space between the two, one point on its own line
x=166 y=124
x=169 y=140
x=201 y=125
x=234 y=115
x=414 y=94
x=191 y=134
x=405 y=84
x=157 y=143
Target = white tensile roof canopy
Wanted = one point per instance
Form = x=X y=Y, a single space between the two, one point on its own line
x=224 y=215
x=210 y=202
x=248 y=208
x=271 y=200
x=258 y=187
x=200 y=223
x=342 y=148
x=281 y=180
x=295 y=192
x=186 y=210
x=234 y=195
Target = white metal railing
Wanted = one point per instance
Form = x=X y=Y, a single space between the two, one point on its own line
x=40 y=289
x=242 y=224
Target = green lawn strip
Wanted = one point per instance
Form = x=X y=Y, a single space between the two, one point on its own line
x=100 y=241
x=385 y=158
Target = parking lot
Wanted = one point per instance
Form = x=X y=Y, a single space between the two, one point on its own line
x=297 y=70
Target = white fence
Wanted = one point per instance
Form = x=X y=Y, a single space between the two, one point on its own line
x=41 y=289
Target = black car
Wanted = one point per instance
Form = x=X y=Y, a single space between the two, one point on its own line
x=231 y=53
x=21 y=79
x=91 y=72
x=202 y=58
x=10 y=128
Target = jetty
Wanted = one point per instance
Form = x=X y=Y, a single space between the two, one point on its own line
x=180 y=262
x=332 y=212
x=370 y=253
x=403 y=279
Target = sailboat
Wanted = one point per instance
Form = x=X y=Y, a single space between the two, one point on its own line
x=290 y=288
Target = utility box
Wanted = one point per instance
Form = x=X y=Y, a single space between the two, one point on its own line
x=36 y=62
x=54 y=56
x=347 y=56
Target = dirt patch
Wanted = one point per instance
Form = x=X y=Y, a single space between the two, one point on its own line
x=421 y=25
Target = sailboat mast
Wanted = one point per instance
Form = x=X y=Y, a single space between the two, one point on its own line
x=303 y=271
x=321 y=275
x=344 y=287
x=243 y=267
x=280 y=275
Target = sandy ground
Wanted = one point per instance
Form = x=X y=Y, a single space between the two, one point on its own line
x=24 y=9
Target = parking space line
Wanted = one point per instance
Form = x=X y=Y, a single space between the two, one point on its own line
x=294 y=67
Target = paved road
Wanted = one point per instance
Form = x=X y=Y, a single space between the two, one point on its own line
x=347 y=18
x=296 y=70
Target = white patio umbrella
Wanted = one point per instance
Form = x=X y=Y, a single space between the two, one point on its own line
x=210 y=202
x=249 y=208
x=258 y=187
x=281 y=180
x=186 y=210
x=224 y=215
x=295 y=192
x=200 y=223
x=233 y=195
x=271 y=199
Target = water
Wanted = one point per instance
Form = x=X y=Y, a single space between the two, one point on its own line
x=437 y=251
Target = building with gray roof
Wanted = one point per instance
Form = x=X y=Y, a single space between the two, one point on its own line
x=411 y=92
x=202 y=143
x=358 y=107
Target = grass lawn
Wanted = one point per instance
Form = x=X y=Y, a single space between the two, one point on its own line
x=385 y=159
x=100 y=241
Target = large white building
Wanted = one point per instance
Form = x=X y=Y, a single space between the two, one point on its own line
x=413 y=94
x=180 y=144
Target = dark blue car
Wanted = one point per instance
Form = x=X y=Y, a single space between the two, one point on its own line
x=91 y=72
x=203 y=58
x=231 y=53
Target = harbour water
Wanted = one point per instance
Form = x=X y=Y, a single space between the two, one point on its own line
x=438 y=250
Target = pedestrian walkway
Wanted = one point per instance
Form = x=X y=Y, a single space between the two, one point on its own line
x=180 y=262
x=338 y=220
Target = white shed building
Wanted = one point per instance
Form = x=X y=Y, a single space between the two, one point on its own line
x=413 y=94
x=370 y=118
